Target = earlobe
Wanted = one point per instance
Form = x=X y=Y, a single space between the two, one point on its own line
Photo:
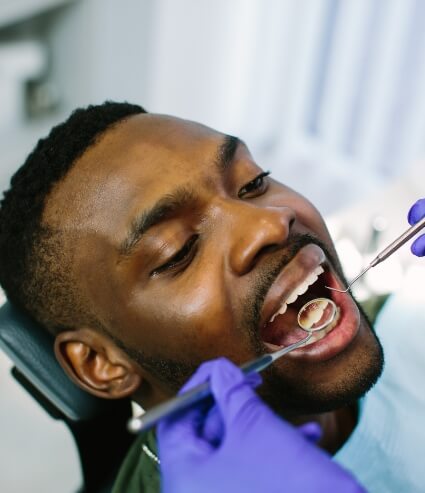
x=96 y=364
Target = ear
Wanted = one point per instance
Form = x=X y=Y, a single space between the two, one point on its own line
x=96 y=364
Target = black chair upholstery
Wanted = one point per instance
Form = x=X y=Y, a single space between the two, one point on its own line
x=97 y=425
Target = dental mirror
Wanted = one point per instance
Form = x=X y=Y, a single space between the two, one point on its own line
x=317 y=314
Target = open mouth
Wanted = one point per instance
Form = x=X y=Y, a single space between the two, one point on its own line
x=282 y=329
x=305 y=278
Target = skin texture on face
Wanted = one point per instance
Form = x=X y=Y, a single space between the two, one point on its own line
x=177 y=238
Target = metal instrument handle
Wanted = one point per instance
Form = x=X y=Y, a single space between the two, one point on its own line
x=397 y=243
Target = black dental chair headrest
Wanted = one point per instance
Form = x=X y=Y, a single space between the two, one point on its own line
x=30 y=347
x=97 y=425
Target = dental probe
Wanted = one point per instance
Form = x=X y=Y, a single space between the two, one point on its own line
x=203 y=391
x=393 y=247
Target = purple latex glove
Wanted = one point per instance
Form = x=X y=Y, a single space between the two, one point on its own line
x=416 y=213
x=241 y=445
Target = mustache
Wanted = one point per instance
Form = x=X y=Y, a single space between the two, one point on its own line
x=253 y=306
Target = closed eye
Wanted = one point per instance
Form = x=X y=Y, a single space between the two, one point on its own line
x=255 y=187
x=181 y=259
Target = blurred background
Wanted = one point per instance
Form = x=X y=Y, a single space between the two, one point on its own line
x=328 y=94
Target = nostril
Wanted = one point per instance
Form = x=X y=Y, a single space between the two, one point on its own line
x=291 y=222
x=264 y=251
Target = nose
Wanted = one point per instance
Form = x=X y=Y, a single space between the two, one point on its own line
x=256 y=231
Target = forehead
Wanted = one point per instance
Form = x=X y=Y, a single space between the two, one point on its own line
x=138 y=160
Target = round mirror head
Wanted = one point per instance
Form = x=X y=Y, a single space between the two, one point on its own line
x=317 y=314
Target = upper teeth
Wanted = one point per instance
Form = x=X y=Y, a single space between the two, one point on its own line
x=299 y=290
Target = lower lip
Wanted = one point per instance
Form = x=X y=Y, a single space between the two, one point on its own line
x=339 y=338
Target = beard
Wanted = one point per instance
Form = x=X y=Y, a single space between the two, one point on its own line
x=286 y=389
x=292 y=398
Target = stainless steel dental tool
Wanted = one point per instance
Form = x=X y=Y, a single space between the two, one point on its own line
x=388 y=251
x=327 y=309
x=200 y=392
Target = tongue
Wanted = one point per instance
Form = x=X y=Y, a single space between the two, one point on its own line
x=284 y=330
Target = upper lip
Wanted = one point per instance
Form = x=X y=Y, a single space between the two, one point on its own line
x=292 y=275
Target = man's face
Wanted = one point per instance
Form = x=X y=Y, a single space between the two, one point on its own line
x=186 y=250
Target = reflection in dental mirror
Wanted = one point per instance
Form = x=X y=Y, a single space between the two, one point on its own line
x=317 y=314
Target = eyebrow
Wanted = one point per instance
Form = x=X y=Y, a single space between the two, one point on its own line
x=226 y=152
x=179 y=199
x=165 y=208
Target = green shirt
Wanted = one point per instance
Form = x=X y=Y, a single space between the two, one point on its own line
x=139 y=472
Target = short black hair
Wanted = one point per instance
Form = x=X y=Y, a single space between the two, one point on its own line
x=33 y=272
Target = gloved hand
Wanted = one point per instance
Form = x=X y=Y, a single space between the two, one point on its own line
x=239 y=444
x=416 y=213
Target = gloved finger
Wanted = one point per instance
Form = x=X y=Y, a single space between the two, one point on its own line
x=201 y=375
x=253 y=379
x=179 y=435
x=213 y=430
x=203 y=420
x=209 y=421
x=312 y=431
x=232 y=393
x=186 y=425
x=418 y=246
x=417 y=212
x=184 y=428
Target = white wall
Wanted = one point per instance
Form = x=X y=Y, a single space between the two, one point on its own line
x=329 y=88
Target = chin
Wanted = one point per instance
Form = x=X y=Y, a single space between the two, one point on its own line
x=329 y=386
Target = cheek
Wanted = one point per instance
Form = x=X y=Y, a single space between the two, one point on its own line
x=310 y=217
x=307 y=215
x=194 y=321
